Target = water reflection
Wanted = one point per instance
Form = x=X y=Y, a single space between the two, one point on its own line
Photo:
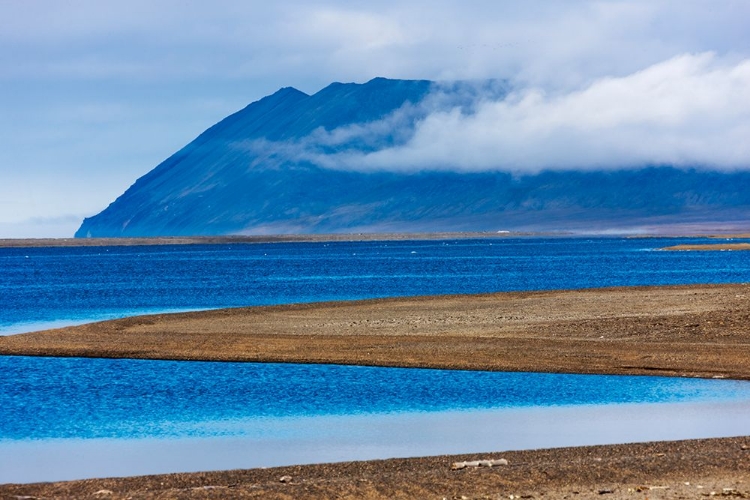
x=301 y=440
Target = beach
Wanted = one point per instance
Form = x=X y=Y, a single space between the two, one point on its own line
x=684 y=469
x=691 y=331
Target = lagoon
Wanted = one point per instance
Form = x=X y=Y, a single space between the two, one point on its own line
x=75 y=418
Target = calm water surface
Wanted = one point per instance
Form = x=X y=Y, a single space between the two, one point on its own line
x=73 y=418
x=40 y=287
x=51 y=398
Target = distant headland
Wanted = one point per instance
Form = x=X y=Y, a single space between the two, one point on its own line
x=293 y=163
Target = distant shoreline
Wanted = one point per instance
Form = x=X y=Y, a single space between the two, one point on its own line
x=279 y=238
x=321 y=238
x=709 y=247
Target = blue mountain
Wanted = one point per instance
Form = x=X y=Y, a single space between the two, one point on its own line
x=263 y=170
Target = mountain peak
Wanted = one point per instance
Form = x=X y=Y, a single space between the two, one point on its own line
x=287 y=91
x=257 y=171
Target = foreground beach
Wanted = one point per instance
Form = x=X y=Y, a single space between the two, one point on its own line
x=701 y=330
x=685 y=469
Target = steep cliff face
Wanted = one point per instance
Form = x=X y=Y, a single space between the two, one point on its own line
x=265 y=169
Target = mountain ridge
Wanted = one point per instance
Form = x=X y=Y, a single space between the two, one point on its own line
x=257 y=171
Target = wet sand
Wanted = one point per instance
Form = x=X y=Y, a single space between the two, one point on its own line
x=701 y=330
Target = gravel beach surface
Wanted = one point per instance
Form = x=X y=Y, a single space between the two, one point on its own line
x=685 y=469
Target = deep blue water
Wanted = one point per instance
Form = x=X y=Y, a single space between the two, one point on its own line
x=48 y=284
x=43 y=398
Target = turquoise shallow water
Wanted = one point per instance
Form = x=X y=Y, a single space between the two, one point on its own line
x=77 y=418
x=52 y=398
x=300 y=440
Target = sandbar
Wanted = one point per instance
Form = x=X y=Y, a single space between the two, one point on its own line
x=696 y=331
x=709 y=247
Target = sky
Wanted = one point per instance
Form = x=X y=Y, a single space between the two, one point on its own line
x=95 y=94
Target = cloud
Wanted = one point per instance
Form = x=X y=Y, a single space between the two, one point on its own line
x=339 y=29
x=692 y=110
x=167 y=57
x=310 y=44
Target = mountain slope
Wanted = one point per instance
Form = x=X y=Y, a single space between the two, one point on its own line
x=263 y=170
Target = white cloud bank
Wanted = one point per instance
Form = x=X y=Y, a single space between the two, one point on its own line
x=692 y=110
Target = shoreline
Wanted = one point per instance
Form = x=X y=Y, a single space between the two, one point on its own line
x=692 y=330
x=667 y=469
x=721 y=247
x=348 y=237
x=257 y=239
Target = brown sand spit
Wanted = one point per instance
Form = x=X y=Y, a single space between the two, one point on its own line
x=709 y=247
x=732 y=235
x=699 y=469
x=701 y=330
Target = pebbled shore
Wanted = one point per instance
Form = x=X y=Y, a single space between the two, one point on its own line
x=697 y=469
x=700 y=330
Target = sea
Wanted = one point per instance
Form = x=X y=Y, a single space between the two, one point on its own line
x=77 y=418
x=47 y=287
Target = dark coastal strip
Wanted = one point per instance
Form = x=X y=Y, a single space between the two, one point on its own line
x=318 y=238
x=281 y=238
